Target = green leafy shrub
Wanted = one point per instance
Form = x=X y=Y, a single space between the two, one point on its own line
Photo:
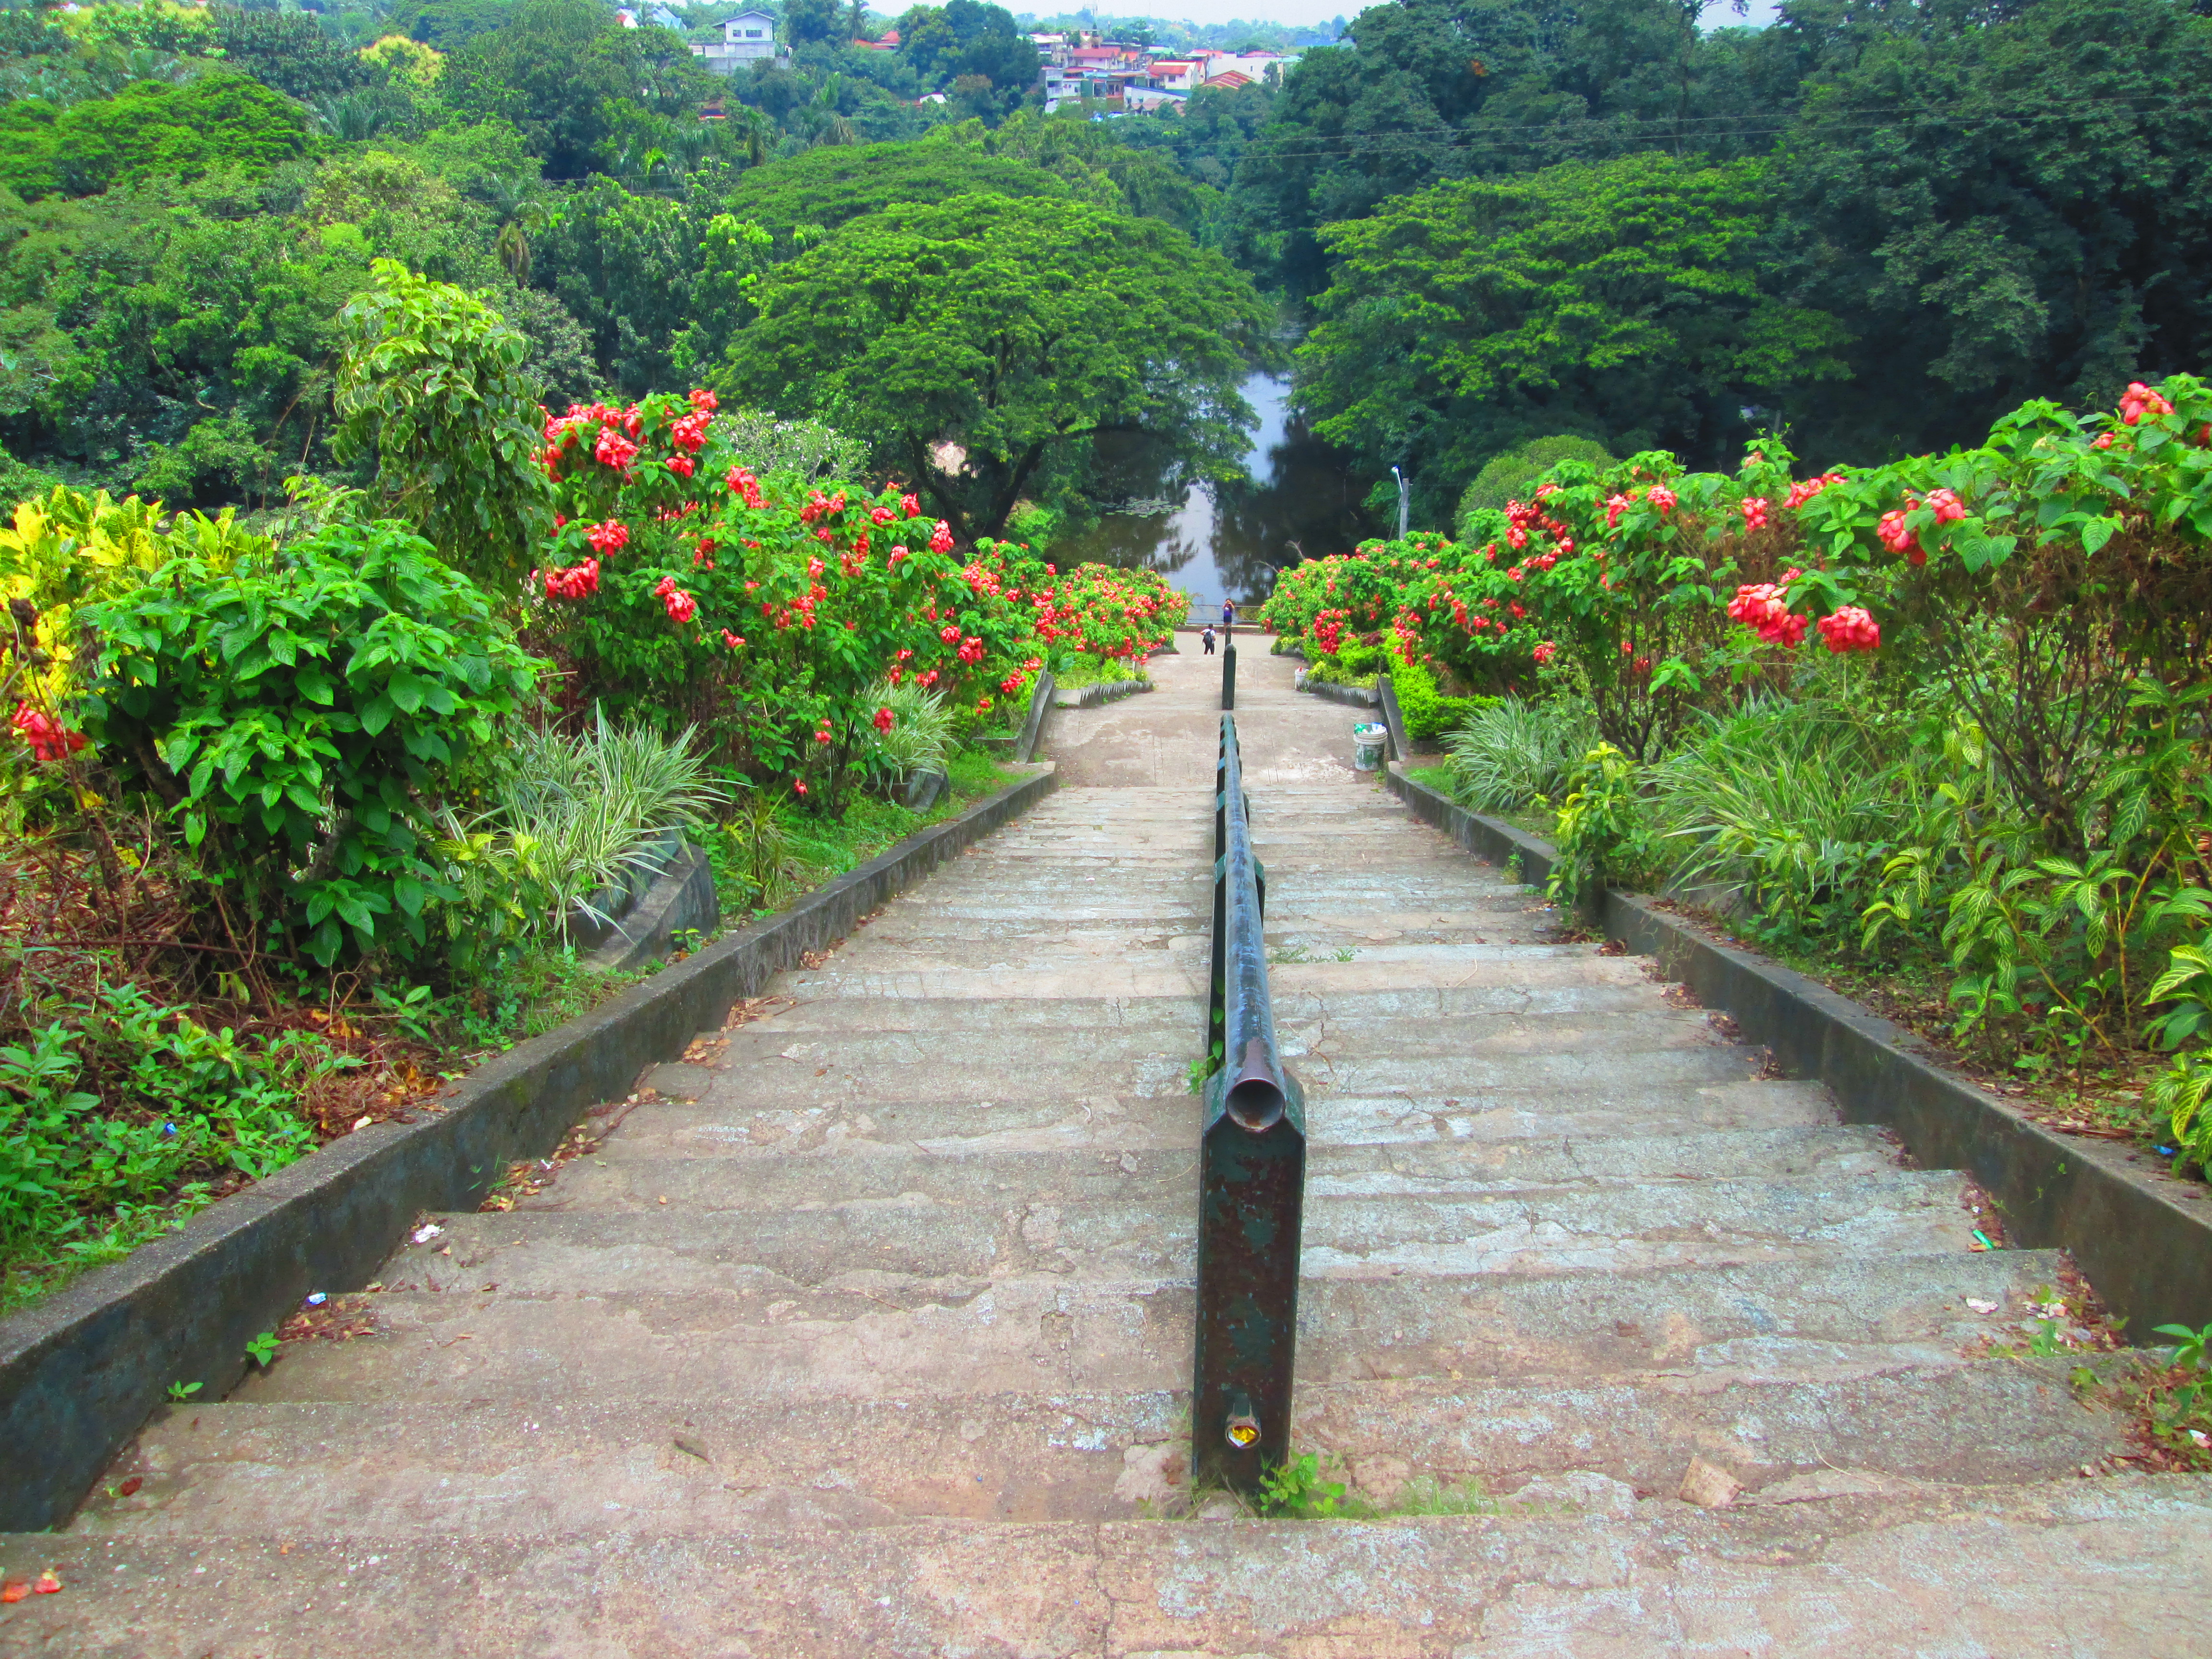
x=432 y=384
x=1427 y=712
x=571 y=815
x=1798 y=804
x=1515 y=474
x=919 y=735
x=89 y=1173
x=295 y=714
x=1603 y=831
x=1518 y=752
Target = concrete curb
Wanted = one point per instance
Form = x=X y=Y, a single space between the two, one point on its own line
x=1090 y=696
x=1353 y=696
x=2143 y=1237
x=1401 y=747
x=82 y=1370
x=681 y=897
x=1033 y=726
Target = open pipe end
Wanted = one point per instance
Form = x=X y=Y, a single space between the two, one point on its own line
x=1255 y=1098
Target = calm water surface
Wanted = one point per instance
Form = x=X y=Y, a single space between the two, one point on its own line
x=1297 y=501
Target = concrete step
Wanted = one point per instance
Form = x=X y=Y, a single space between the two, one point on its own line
x=634 y=1171
x=1132 y=1123
x=764 y=1052
x=1602 y=1227
x=1557 y=993
x=588 y=1466
x=872 y=1335
x=1016 y=1070
x=1970 y=1571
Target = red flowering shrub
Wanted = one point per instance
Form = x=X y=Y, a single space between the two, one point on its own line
x=769 y=616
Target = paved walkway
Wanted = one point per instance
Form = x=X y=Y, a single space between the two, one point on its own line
x=870 y=1335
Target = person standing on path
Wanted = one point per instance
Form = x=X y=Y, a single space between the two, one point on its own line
x=1208 y=637
x=1228 y=615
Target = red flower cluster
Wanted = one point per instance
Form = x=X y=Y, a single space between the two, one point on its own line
x=1852 y=628
x=742 y=484
x=1754 y=511
x=578 y=582
x=1765 y=608
x=1801 y=493
x=884 y=719
x=614 y=450
x=610 y=536
x=690 y=433
x=1545 y=653
x=1526 y=516
x=48 y=741
x=681 y=606
x=2139 y=401
x=940 y=539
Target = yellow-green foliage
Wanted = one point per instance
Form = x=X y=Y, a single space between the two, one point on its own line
x=69 y=548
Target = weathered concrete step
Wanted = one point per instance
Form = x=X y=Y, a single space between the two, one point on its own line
x=769 y=1050
x=1118 y=1123
x=1552 y=993
x=638 y=1174
x=1007 y=1075
x=1040 y=934
x=1608 y=1227
x=1104 y=979
x=1981 y=1421
x=1035 y=954
x=1518 y=966
x=1015 y=1070
x=877 y=1336
x=764 y=1056
x=1934 y=1571
x=593 y=1467
x=1505 y=965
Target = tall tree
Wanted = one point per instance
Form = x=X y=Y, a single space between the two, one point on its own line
x=984 y=342
x=2006 y=212
x=1614 y=300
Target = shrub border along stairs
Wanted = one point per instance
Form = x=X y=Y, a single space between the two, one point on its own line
x=81 y=1370
x=2143 y=1237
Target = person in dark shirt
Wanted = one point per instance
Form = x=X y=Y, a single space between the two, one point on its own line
x=1228 y=615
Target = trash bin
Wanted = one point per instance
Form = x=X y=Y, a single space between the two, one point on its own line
x=1367 y=741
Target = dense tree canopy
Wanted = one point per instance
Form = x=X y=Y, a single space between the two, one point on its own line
x=1014 y=330
x=148 y=129
x=1619 y=298
x=2030 y=216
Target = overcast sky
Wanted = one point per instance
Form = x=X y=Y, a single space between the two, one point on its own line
x=1309 y=13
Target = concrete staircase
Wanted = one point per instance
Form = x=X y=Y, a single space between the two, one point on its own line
x=869 y=1333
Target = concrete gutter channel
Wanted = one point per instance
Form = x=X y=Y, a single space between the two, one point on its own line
x=81 y=1370
x=2143 y=1237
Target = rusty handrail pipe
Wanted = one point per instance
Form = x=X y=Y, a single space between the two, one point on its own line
x=1252 y=1176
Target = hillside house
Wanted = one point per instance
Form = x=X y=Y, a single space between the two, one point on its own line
x=748 y=38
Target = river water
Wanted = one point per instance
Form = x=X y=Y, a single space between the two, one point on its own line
x=1297 y=501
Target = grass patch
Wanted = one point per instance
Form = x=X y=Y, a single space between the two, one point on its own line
x=825 y=848
x=1098 y=671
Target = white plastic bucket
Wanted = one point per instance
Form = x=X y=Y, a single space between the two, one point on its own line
x=1367 y=741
